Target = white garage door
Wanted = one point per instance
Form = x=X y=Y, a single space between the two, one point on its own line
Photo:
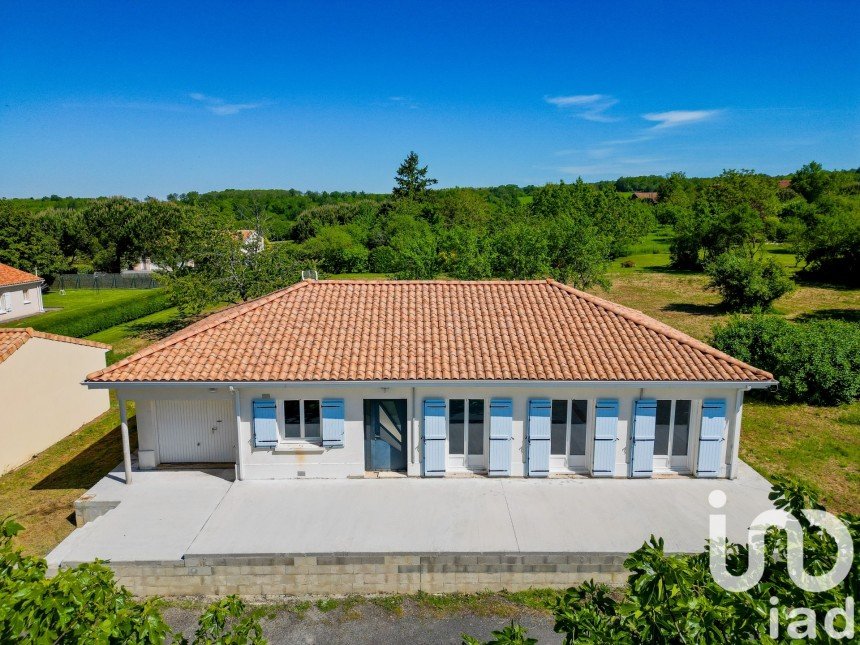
x=196 y=431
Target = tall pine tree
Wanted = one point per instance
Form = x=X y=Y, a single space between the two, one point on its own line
x=411 y=180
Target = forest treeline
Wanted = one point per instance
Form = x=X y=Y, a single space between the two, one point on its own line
x=571 y=231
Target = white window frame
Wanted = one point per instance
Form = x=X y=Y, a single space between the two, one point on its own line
x=6 y=302
x=562 y=463
x=26 y=294
x=670 y=462
x=461 y=461
x=282 y=423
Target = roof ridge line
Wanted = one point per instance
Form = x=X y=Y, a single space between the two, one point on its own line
x=655 y=325
x=232 y=312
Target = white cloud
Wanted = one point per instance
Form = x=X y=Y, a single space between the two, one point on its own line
x=674 y=118
x=591 y=107
x=220 y=107
x=404 y=101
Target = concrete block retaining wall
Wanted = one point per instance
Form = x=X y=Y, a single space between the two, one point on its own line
x=301 y=575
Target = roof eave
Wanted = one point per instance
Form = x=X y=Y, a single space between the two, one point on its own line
x=735 y=384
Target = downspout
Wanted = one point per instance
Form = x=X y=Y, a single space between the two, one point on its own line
x=237 y=408
x=414 y=421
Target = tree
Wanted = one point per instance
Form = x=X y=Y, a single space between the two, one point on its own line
x=29 y=242
x=114 y=226
x=411 y=179
x=747 y=283
x=415 y=246
x=520 y=251
x=462 y=254
x=336 y=250
x=811 y=181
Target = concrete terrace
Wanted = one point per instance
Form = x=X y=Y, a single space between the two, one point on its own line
x=170 y=515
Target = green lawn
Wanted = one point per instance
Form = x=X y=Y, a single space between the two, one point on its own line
x=41 y=493
x=82 y=312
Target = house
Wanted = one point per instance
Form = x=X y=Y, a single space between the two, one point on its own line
x=646 y=196
x=332 y=379
x=782 y=184
x=251 y=241
x=41 y=396
x=20 y=293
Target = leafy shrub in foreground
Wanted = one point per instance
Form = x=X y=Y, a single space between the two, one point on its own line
x=815 y=362
x=85 y=605
x=675 y=599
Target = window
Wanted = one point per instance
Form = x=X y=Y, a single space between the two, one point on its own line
x=456 y=429
x=5 y=303
x=578 y=419
x=681 y=431
x=26 y=296
x=661 y=429
x=567 y=427
x=558 y=428
x=672 y=430
x=302 y=419
x=466 y=426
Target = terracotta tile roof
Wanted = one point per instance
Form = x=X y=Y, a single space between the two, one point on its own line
x=342 y=330
x=13 y=338
x=11 y=275
x=652 y=196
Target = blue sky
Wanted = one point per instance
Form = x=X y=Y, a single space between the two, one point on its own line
x=149 y=98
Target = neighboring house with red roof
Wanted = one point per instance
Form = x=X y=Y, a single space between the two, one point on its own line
x=41 y=396
x=652 y=197
x=432 y=378
x=20 y=293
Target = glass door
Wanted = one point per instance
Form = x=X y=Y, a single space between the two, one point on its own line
x=672 y=435
x=385 y=434
x=466 y=434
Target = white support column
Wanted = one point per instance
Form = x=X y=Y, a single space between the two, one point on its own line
x=734 y=459
x=126 y=444
x=237 y=406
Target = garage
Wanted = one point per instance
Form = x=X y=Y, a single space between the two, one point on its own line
x=196 y=431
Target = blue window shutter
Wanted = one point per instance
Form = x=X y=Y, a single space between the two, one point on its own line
x=711 y=437
x=332 y=422
x=538 y=439
x=435 y=433
x=642 y=438
x=605 y=436
x=265 y=424
x=501 y=431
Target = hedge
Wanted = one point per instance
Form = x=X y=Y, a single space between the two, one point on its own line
x=91 y=320
x=815 y=362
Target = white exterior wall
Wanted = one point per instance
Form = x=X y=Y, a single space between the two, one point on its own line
x=296 y=458
x=26 y=300
x=42 y=399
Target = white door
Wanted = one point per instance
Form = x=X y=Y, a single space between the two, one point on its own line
x=196 y=431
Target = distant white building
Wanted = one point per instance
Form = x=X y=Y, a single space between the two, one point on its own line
x=20 y=293
x=251 y=240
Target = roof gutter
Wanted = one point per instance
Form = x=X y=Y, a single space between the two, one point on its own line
x=748 y=385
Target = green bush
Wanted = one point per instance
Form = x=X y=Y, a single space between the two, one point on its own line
x=85 y=605
x=673 y=598
x=815 y=362
x=747 y=283
x=91 y=320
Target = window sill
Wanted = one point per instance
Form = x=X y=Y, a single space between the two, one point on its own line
x=301 y=447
